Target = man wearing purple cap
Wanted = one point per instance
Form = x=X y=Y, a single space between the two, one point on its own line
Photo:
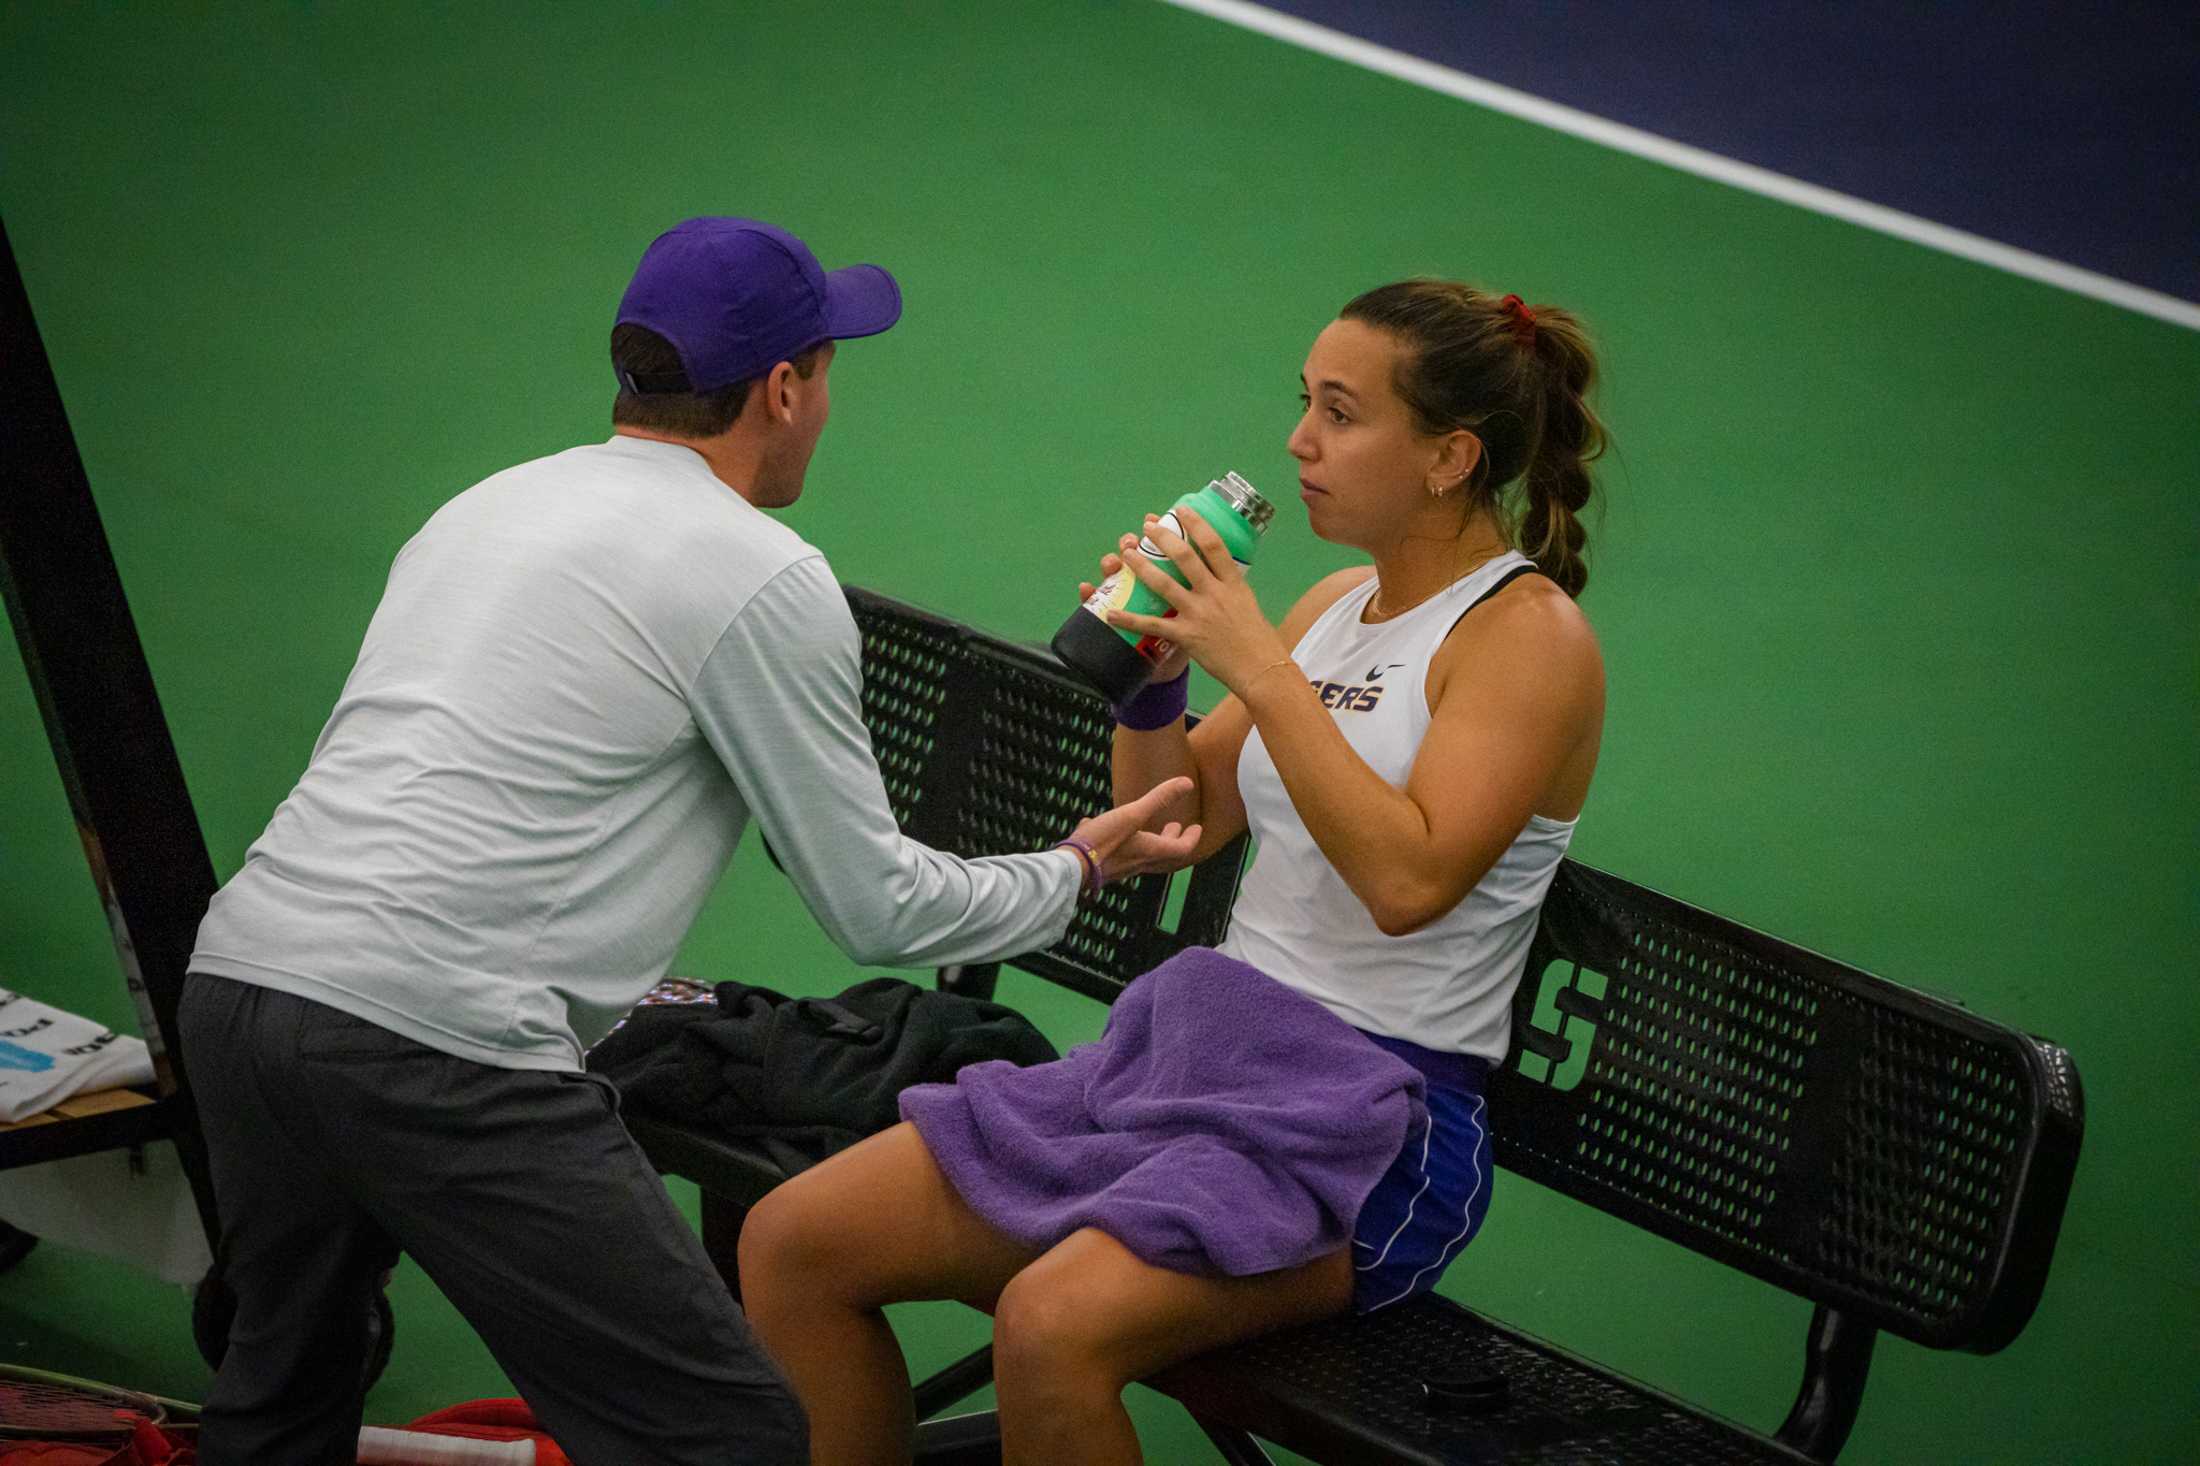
x=586 y=675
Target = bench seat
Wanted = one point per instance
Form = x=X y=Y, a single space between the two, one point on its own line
x=1351 y=1389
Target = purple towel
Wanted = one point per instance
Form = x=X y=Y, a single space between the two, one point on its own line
x=1222 y=1124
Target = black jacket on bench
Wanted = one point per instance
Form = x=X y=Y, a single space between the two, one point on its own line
x=805 y=1077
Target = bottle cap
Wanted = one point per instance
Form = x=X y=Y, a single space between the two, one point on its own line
x=1246 y=500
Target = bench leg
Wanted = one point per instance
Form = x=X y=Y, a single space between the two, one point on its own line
x=15 y=1245
x=958 y=1381
x=1836 y=1360
x=1237 y=1448
x=969 y=979
x=959 y=1440
x=722 y=1222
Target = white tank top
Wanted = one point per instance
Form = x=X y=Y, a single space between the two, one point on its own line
x=1448 y=986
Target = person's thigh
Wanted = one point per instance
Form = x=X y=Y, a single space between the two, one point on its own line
x=875 y=1224
x=523 y=1197
x=298 y=1257
x=1090 y=1302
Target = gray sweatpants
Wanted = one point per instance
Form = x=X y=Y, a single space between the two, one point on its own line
x=335 y=1142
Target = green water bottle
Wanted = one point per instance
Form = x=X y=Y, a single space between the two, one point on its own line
x=1118 y=662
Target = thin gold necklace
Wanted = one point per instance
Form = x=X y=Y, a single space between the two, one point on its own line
x=1375 y=601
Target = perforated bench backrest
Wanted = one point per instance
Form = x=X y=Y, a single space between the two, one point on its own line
x=1857 y=1143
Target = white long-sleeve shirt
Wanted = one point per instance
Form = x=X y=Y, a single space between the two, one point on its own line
x=586 y=674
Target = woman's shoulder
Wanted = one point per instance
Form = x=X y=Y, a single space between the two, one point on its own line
x=1531 y=622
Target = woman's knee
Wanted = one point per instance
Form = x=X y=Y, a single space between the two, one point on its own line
x=1050 y=1331
x=787 y=1243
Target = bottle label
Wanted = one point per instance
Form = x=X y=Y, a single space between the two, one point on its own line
x=1114 y=594
x=1152 y=551
x=1175 y=526
x=1111 y=594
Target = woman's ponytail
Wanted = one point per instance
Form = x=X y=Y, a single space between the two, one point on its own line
x=1557 y=483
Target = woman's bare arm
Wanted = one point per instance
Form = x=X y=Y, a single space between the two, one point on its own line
x=1209 y=754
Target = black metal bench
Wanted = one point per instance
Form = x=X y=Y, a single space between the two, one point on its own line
x=1893 y=1158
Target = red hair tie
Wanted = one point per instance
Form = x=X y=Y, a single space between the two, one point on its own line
x=1523 y=319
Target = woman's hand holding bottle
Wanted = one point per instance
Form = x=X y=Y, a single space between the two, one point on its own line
x=1216 y=618
x=1173 y=659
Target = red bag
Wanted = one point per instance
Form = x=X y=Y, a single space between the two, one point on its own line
x=149 y=1445
x=492 y=1420
x=55 y=1453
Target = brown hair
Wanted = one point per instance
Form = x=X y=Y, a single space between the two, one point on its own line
x=1517 y=377
x=641 y=352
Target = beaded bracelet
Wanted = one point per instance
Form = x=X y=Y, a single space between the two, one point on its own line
x=1093 y=875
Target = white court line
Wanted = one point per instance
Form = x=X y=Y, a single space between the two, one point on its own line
x=1763 y=181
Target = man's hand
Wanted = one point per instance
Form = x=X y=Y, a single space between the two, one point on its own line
x=1127 y=848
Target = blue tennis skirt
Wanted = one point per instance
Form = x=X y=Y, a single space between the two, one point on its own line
x=1430 y=1203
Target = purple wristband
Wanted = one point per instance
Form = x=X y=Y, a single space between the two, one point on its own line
x=1092 y=878
x=1157 y=704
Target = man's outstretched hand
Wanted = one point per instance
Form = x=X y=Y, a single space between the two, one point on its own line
x=1127 y=848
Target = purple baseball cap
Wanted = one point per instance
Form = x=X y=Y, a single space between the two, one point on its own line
x=736 y=297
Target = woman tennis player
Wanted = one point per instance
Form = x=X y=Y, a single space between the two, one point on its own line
x=1292 y=1125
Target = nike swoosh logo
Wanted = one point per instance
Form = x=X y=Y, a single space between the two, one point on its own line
x=1376 y=674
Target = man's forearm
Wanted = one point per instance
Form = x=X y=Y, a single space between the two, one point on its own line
x=926 y=908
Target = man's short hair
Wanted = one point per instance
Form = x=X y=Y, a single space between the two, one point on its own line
x=640 y=352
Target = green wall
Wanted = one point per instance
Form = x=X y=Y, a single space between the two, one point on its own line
x=1896 y=585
